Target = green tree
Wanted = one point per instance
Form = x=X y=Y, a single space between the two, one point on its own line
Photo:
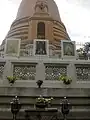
x=80 y=51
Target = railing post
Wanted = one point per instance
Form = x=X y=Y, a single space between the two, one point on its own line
x=40 y=71
x=8 y=71
x=71 y=71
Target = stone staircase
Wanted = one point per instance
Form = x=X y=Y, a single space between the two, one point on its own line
x=79 y=100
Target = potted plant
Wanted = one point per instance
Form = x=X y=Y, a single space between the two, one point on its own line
x=66 y=80
x=42 y=102
x=11 y=79
x=39 y=83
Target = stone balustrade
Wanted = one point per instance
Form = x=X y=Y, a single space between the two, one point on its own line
x=48 y=70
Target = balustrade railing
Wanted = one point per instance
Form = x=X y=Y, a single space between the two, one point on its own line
x=25 y=72
x=52 y=70
x=1 y=70
x=83 y=72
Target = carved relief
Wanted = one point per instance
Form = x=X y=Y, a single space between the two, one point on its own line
x=42 y=5
x=12 y=47
x=41 y=47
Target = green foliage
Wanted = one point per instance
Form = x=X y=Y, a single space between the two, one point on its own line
x=66 y=80
x=87 y=47
x=80 y=51
x=11 y=79
x=43 y=100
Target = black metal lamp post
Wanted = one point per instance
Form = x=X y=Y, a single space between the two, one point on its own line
x=65 y=108
x=15 y=107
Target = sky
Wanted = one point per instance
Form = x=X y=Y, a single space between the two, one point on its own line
x=75 y=14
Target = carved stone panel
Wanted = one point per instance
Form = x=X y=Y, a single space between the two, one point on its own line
x=52 y=72
x=83 y=73
x=25 y=72
x=41 y=47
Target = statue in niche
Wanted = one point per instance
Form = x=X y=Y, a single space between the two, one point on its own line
x=68 y=49
x=40 y=48
x=12 y=47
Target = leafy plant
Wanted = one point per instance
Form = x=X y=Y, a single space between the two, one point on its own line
x=43 y=100
x=11 y=79
x=80 y=51
x=66 y=80
x=87 y=47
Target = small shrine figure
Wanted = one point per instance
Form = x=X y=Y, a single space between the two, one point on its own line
x=40 y=48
